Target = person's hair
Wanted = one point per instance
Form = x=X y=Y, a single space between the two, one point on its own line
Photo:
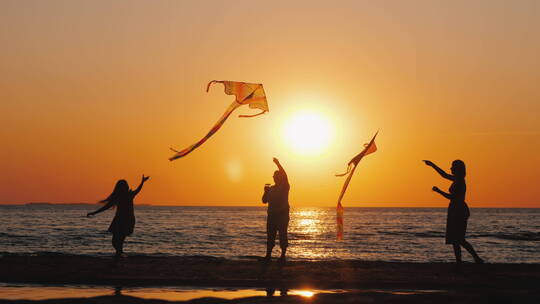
x=459 y=168
x=120 y=189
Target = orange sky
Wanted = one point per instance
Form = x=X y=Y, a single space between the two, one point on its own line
x=94 y=91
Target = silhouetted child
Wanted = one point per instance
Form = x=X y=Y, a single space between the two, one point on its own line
x=277 y=197
x=458 y=211
x=124 y=219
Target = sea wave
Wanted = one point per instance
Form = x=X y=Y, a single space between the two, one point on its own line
x=518 y=236
x=392 y=234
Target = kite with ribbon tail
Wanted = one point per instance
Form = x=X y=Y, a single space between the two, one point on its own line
x=368 y=149
x=251 y=94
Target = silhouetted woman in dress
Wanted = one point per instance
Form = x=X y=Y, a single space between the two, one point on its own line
x=458 y=211
x=124 y=219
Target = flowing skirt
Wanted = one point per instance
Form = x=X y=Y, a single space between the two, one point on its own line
x=122 y=225
x=456 y=222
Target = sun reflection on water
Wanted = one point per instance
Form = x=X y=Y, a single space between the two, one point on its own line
x=305 y=228
x=302 y=293
x=39 y=293
x=307 y=221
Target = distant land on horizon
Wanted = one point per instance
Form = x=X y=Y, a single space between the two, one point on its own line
x=64 y=204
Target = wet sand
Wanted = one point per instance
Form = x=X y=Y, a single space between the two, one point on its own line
x=517 y=283
x=350 y=297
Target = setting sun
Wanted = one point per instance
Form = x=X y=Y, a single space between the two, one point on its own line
x=308 y=132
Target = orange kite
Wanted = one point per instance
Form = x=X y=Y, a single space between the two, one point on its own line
x=368 y=149
x=251 y=94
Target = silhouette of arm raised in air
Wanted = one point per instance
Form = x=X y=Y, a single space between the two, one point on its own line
x=280 y=168
x=439 y=170
x=143 y=180
x=109 y=204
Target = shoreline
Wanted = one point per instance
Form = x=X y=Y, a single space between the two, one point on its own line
x=360 y=281
x=211 y=271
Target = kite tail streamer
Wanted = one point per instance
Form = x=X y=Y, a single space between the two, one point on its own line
x=244 y=116
x=351 y=167
x=348 y=170
x=340 y=209
x=214 y=129
x=339 y=217
x=346 y=184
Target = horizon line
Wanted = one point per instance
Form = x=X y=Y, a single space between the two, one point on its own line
x=392 y=205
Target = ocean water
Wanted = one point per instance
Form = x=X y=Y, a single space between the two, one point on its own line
x=382 y=234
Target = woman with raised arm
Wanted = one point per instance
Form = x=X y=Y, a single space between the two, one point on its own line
x=277 y=197
x=124 y=219
x=458 y=211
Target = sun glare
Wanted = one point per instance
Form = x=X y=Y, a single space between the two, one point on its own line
x=303 y=293
x=308 y=133
x=234 y=170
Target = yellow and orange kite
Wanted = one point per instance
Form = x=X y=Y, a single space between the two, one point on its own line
x=368 y=149
x=251 y=94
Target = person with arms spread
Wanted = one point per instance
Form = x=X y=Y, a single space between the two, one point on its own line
x=458 y=211
x=124 y=219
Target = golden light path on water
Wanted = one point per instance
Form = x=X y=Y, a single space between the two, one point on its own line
x=305 y=227
x=223 y=294
x=308 y=221
x=303 y=293
x=29 y=292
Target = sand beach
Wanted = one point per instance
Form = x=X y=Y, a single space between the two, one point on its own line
x=368 y=280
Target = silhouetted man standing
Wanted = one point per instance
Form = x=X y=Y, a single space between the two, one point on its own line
x=277 y=197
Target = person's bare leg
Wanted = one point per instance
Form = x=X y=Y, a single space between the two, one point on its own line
x=283 y=241
x=457 y=252
x=122 y=240
x=471 y=250
x=268 y=255
x=283 y=252
x=117 y=244
x=270 y=241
